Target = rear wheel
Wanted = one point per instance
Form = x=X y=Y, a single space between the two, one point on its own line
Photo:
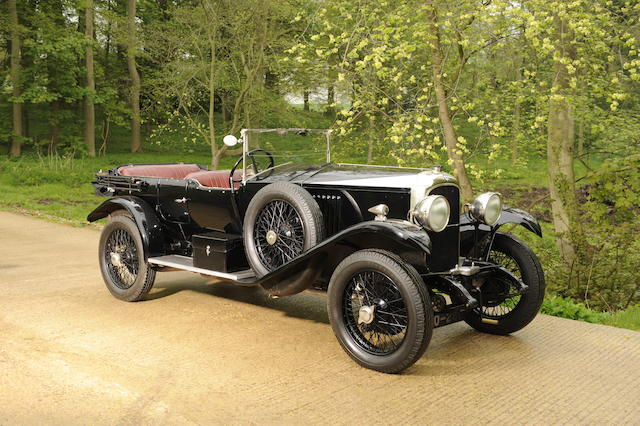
x=121 y=255
x=282 y=221
x=506 y=309
x=380 y=311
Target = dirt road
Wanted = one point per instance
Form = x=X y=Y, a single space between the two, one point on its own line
x=204 y=352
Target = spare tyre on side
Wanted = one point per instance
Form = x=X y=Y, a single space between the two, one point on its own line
x=282 y=221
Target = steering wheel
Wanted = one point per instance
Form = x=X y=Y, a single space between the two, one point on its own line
x=254 y=163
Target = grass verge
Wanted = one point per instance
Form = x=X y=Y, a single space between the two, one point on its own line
x=567 y=308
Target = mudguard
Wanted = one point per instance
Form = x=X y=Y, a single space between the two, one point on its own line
x=409 y=241
x=144 y=216
x=476 y=238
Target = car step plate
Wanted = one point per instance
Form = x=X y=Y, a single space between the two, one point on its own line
x=185 y=263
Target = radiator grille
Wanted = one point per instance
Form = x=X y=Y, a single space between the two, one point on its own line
x=445 y=244
x=331 y=208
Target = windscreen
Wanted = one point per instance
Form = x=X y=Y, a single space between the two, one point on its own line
x=274 y=147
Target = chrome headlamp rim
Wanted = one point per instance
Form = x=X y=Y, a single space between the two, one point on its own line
x=478 y=208
x=421 y=213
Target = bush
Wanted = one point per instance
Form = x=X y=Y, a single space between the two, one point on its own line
x=567 y=308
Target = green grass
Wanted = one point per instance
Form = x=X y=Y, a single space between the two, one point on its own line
x=566 y=308
x=628 y=318
x=61 y=189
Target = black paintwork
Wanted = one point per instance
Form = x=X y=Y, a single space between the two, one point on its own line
x=219 y=251
x=170 y=212
x=152 y=230
x=476 y=238
x=408 y=241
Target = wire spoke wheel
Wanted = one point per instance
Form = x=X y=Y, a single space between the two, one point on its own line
x=380 y=310
x=503 y=305
x=372 y=291
x=121 y=258
x=499 y=296
x=278 y=234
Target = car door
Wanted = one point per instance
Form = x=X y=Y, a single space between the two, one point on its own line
x=212 y=208
x=172 y=199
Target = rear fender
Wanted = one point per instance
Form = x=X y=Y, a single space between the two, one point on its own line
x=476 y=238
x=144 y=216
x=408 y=241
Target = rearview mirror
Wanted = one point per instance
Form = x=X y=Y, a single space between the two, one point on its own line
x=230 y=140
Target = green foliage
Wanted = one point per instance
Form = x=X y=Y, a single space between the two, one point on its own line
x=567 y=308
x=627 y=318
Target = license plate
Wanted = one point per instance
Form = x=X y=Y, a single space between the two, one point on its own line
x=444 y=318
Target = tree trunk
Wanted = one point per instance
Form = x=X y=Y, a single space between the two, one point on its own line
x=451 y=140
x=107 y=43
x=212 y=103
x=224 y=110
x=331 y=99
x=16 y=57
x=89 y=109
x=25 y=123
x=54 y=125
x=560 y=142
x=581 y=134
x=305 y=97
x=134 y=76
x=515 y=139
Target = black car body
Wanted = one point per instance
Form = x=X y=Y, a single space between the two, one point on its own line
x=193 y=219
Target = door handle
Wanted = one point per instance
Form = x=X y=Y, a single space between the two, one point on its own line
x=181 y=200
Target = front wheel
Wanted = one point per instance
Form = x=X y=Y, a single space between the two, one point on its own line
x=506 y=310
x=380 y=311
x=121 y=255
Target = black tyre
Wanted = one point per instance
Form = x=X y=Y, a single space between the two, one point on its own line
x=380 y=311
x=121 y=255
x=282 y=221
x=502 y=304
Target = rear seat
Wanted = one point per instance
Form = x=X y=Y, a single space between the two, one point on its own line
x=175 y=171
x=215 y=178
x=208 y=178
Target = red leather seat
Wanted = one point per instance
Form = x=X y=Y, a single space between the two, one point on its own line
x=175 y=171
x=215 y=178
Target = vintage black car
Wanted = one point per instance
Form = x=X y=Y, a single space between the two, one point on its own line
x=393 y=248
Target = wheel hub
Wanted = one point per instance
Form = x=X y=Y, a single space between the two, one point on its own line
x=366 y=314
x=116 y=260
x=271 y=237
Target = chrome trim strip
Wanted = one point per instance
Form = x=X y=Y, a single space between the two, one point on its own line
x=185 y=263
x=386 y=167
x=243 y=136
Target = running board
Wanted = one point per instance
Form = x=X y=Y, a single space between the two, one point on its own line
x=185 y=263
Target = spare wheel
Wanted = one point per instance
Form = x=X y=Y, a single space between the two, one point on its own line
x=282 y=221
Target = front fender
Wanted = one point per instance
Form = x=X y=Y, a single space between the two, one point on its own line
x=476 y=238
x=408 y=241
x=144 y=216
x=521 y=217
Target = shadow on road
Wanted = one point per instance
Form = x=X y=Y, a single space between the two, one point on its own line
x=303 y=306
x=454 y=350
